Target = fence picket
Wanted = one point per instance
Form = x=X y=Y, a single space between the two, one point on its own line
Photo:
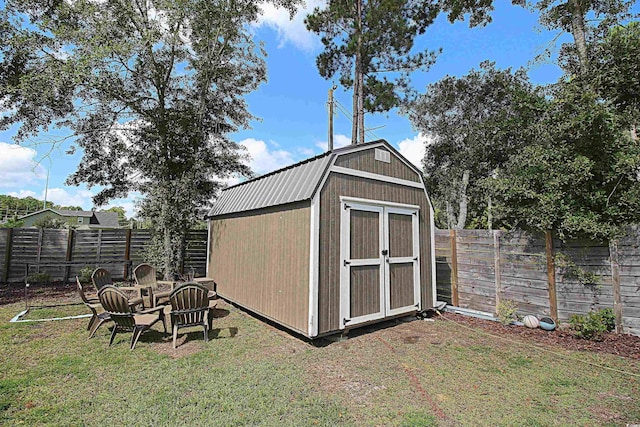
x=543 y=276
x=62 y=254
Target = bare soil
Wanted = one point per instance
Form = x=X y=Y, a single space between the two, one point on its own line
x=15 y=292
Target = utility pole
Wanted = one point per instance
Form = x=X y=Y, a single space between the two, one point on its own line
x=46 y=190
x=330 y=104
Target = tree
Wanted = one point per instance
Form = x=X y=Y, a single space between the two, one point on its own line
x=150 y=89
x=50 y=221
x=615 y=72
x=12 y=223
x=476 y=123
x=368 y=44
x=582 y=176
x=23 y=205
x=572 y=16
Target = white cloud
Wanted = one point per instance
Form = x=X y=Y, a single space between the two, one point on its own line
x=291 y=30
x=305 y=151
x=339 y=141
x=414 y=148
x=18 y=166
x=64 y=197
x=262 y=160
x=22 y=194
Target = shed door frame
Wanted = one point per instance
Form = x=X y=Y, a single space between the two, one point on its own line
x=383 y=209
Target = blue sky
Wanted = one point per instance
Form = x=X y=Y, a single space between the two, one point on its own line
x=292 y=104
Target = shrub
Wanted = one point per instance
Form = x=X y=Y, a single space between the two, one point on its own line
x=85 y=274
x=506 y=311
x=39 y=278
x=591 y=326
x=608 y=318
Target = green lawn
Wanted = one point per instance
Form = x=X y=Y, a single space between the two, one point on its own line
x=249 y=373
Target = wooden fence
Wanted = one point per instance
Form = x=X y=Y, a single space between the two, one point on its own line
x=476 y=269
x=63 y=253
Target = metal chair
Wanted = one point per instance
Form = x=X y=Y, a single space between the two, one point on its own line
x=115 y=303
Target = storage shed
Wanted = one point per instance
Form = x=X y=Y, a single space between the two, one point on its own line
x=337 y=241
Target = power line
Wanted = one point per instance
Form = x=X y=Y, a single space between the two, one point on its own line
x=348 y=115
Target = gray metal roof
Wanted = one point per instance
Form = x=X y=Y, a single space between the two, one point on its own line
x=294 y=183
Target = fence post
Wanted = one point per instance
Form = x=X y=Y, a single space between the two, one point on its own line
x=67 y=268
x=454 y=268
x=99 y=248
x=39 y=250
x=7 y=256
x=496 y=257
x=551 y=276
x=127 y=253
x=615 y=280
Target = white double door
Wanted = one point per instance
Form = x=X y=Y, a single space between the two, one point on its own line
x=380 y=264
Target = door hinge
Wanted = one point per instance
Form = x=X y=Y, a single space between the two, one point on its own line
x=415 y=259
x=345 y=320
x=345 y=263
x=346 y=207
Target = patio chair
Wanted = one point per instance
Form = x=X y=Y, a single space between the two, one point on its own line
x=101 y=278
x=190 y=307
x=145 y=276
x=116 y=304
x=99 y=316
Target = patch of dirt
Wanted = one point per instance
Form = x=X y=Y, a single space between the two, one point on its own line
x=59 y=292
x=618 y=344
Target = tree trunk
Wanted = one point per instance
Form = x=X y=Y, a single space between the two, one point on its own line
x=168 y=270
x=357 y=134
x=361 y=104
x=489 y=214
x=578 y=30
x=463 y=201
x=354 y=119
x=451 y=217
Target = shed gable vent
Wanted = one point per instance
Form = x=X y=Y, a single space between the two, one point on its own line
x=383 y=156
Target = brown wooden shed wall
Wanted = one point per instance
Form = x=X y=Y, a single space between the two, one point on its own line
x=366 y=161
x=329 y=263
x=260 y=260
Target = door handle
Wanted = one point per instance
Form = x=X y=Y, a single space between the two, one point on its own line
x=385 y=252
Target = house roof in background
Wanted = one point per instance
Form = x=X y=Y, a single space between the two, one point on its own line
x=107 y=219
x=84 y=214
x=291 y=184
x=104 y=219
